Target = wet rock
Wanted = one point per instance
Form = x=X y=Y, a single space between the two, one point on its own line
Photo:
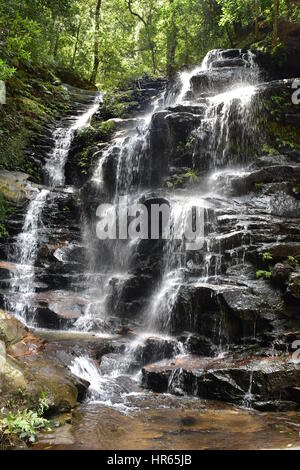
x=270 y=160
x=248 y=382
x=220 y=313
x=218 y=80
x=159 y=146
x=276 y=405
x=26 y=366
x=11 y=330
x=198 y=345
x=294 y=286
x=127 y=296
x=190 y=109
x=234 y=62
x=284 y=205
x=231 y=53
x=16 y=186
x=156 y=349
x=281 y=251
x=276 y=173
x=47 y=318
x=281 y=273
x=293 y=119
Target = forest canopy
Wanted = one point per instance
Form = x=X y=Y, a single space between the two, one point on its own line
x=111 y=42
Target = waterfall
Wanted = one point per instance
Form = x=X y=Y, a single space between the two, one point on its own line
x=26 y=252
x=130 y=152
x=220 y=103
x=63 y=136
x=20 y=298
x=185 y=76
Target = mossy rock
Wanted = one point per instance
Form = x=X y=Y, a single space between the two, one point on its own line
x=11 y=330
x=14 y=186
x=35 y=99
x=119 y=104
x=281 y=130
x=94 y=134
x=33 y=372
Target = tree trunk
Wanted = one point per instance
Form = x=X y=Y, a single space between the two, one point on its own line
x=153 y=56
x=186 y=47
x=171 y=44
x=52 y=33
x=276 y=18
x=229 y=36
x=256 y=16
x=56 y=45
x=76 y=45
x=96 y=43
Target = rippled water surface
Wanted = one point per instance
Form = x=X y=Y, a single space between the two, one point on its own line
x=172 y=423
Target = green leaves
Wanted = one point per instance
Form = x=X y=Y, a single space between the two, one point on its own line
x=26 y=424
x=6 y=71
x=263 y=274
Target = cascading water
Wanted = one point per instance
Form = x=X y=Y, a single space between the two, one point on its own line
x=128 y=159
x=63 y=136
x=214 y=138
x=22 y=282
x=20 y=299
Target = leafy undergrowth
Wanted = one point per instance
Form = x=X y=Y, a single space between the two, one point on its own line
x=24 y=425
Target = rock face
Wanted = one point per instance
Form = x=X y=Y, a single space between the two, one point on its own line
x=265 y=383
x=250 y=260
x=26 y=367
x=16 y=186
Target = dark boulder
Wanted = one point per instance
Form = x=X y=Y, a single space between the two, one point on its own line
x=262 y=380
x=294 y=286
x=156 y=349
x=281 y=273
x=237 y=62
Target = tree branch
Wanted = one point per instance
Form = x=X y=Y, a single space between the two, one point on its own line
x=137 y=15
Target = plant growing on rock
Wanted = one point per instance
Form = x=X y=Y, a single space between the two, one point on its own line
x=27 y=423
x=261 y=274
x=192 y=175
x=267 y=256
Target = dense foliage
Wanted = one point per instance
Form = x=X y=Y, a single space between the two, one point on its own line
x=112 y=41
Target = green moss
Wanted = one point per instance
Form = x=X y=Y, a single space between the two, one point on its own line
x=33 y=100
x=6 y=208
x=280 y=134
x=284 y=136
x=269 y=150
x=86 y=142
x=119 y=104
x=94 y=134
